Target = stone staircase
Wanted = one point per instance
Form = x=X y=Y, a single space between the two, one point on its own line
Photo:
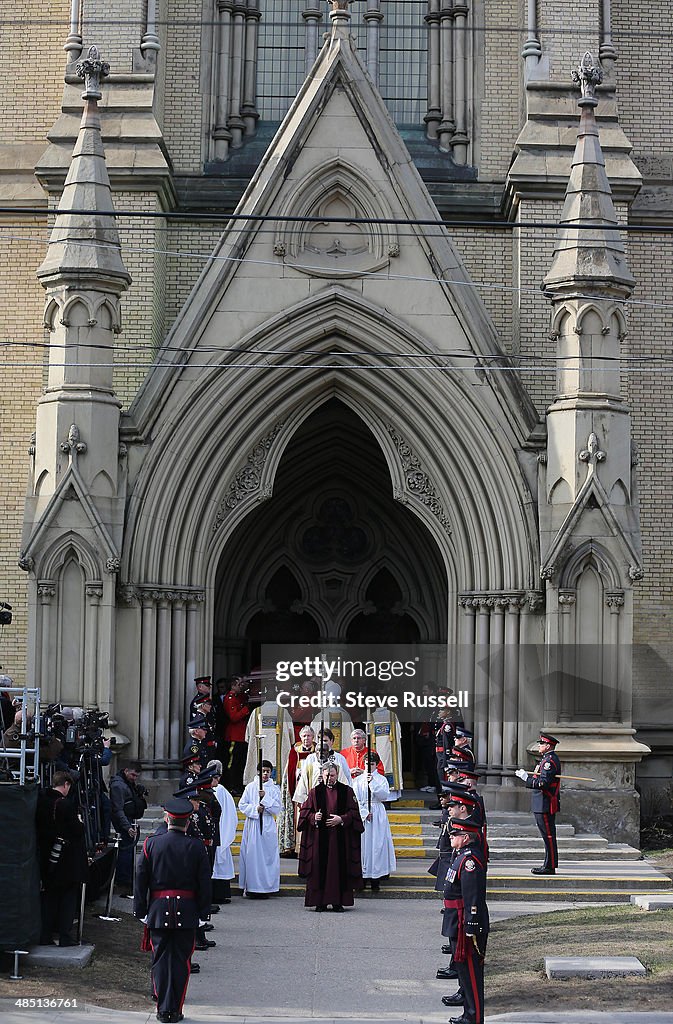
x=592 y=869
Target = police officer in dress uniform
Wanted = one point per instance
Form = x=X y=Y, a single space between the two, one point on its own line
x=200 y=743
x=545 y=801
x=203 y=692
x=462 y=773
x=191 y=764
x=172 y=894
x=462 y=804
x=462 y=745
x=466 y=922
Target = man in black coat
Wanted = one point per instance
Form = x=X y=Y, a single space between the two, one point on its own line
x=173 y=895
x=545 y=802
x=128 y=803
x=63 y=859
x=466 y=922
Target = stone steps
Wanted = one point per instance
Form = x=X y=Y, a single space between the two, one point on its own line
x=592 y=869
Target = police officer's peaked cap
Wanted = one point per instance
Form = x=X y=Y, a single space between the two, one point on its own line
x=461 y=825
x=187 y=793
x=459 y=794
x=198 y=722
x=464 y=767
x=546 y=737
x=205 y=777
x=178 y=808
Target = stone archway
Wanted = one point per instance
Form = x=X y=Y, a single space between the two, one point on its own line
x=331 y=557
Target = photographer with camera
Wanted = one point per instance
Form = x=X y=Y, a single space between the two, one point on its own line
x=63 y=859
x=128 y=805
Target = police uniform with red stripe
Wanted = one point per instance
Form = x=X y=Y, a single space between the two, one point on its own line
x=466 y=922
x=172 y=892
x=545 y=802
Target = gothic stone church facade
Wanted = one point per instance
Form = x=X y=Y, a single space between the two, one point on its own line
x=349 y=412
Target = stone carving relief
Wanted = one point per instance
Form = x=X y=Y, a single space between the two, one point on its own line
x=337 y=240
x=417 y=481
x=248 y=479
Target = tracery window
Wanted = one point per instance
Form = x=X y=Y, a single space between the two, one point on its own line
x=419 y=54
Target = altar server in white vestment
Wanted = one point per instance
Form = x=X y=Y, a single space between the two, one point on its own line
x=223 y=868
x=259 y=860
x=378 y=852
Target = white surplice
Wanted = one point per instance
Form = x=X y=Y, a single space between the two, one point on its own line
x=378 y=852
x=223 y=868
x=259 y=860
x=310 y=773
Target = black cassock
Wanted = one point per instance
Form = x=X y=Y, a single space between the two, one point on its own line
x=330 y=858
x=173 y=890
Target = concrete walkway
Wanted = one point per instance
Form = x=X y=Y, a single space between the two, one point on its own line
x=277 y=963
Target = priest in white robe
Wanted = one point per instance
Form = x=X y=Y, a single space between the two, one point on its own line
x=269 y=727
x=312 y=766
x=378 y=851
x=259 y=860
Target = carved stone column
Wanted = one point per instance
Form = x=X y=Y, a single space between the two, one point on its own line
x=612 y=707
x=149 y=44
x=607 y=54
x=447 y=125
x=373 y=18
x=434 y=114
x=481 y=674
x=73 y=44
x=466 y=663
x=460 y=140
x=148 y=658
x=249 y=110
x=312 y=15
x=235 y=122
x=44 y=676
x=191 y=645
x=532 y=48
x=94 y=593
x=221 y=134
x=179 y=680
x=496 y=701
x=510 y=713
x=566 y=604
x=162 y=708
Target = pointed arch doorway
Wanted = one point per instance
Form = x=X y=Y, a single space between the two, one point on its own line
x=332 y=557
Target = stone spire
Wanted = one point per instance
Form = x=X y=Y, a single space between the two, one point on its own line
x=86 y=244
x=589 y=254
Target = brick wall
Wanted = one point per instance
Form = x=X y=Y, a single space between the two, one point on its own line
x=31 y=68
x=22 y=376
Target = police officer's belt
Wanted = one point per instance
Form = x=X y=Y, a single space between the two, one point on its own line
x=187 y=894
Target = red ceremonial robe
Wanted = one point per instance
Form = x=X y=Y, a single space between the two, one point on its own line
x=329 y=858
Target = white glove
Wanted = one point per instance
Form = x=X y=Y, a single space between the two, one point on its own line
x=202 y=924
x=522 y=774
